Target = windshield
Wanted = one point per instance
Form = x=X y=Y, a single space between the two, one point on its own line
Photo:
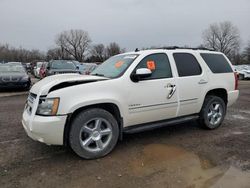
x=11 y=68
x=63 y=65
x=114 y=66
x=39 y=64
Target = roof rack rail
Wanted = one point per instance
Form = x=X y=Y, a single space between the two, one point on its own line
x=188 y=48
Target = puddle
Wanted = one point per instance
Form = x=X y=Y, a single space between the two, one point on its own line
x=175 y=167
x=232 y=178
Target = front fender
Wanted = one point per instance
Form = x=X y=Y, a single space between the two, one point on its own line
x=82 y=104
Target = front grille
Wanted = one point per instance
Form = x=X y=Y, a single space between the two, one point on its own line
x=10 y=79
x=32 y=95
x=30 y=101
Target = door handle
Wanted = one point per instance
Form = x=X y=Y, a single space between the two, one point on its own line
x=202 y=81
x=172 y=91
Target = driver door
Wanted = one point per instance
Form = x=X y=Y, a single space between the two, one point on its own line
x=153 y=98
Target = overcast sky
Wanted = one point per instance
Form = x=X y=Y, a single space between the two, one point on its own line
x=131 y=23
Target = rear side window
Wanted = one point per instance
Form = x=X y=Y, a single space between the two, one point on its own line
x=158 y=64
x=217 y=63
x=186 y=64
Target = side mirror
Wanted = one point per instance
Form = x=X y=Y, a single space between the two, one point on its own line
x=141 y=74
x=77 y=67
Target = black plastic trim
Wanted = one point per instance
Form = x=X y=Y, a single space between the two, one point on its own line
x=158 y=124
x=152 y=105
x=185 y=100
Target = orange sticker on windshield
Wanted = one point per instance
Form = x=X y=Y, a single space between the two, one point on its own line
x=151 y=65
x=119 y=64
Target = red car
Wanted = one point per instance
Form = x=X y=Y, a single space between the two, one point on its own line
x=42 y=72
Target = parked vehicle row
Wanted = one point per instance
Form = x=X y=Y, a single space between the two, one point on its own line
x=243 y=71
x=44 y=69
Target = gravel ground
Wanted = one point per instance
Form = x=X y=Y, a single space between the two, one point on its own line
x=179 y=156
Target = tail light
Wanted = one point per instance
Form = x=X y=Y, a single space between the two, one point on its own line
x=236 y=81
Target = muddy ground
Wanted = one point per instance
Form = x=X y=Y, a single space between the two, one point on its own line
x=179 y=156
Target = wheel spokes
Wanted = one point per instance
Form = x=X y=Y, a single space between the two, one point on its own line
x=106 y=131
x=216 y=108
x=86 y=129
x=96 y=134
x=210 y=114
x=99 y=144
x=86 y=142
x=98 y=123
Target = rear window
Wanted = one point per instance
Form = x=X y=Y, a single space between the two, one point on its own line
x=63 y=65
x=217 y=63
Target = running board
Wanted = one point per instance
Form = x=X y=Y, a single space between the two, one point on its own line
x=158 y=124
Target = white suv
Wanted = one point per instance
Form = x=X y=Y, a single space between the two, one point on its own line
x=128 y=93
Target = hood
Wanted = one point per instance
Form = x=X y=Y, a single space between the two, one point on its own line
x=52 y=83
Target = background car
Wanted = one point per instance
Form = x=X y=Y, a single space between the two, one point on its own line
x=88 y=67
x=243 y=71
x=14 y=76
x=28 y=67
x=42 y=72
x=61 y=67
x=36 y=69
x=15 y=63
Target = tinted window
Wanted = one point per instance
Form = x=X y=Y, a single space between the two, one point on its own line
x=158 y=64
x=217 y=63
x=187 y=64
x=63 y=65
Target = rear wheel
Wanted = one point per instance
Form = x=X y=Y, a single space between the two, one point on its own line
x=213 y=112
x=94 y=133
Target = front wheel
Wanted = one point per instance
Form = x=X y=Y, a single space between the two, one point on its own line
x=94 y=133
x=213 y=112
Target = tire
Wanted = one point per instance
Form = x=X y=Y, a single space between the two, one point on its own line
x=93 y=134
x=213 y=112
x=241 y=77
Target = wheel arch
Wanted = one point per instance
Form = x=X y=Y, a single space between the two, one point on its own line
x=108 y=106
x=219 y=92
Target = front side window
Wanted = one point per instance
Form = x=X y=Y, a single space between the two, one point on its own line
x=158 y=64
x=114 y=66
x=186 y=64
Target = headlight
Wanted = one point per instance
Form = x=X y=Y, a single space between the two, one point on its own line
x=48 y=106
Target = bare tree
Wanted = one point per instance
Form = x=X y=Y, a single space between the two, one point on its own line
x=98 y=52
x=57 y=53
x=74 y=42
x=8 y=54
x=223 y=37
x=113 y=49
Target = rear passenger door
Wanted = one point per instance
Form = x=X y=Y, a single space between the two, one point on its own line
x=191 y=82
